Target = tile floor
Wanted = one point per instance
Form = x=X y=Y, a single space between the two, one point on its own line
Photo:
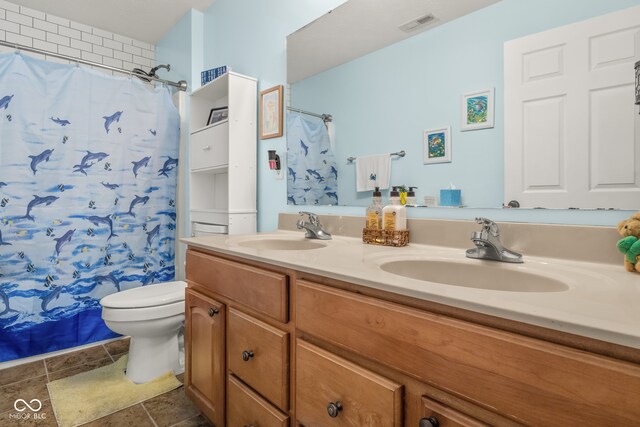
x=28 y=381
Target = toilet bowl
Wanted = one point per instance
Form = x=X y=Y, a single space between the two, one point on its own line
x=153 y=316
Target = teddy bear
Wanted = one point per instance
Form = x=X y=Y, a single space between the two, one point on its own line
x=629 y=245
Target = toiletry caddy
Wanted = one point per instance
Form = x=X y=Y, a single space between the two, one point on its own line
x=391 y=229
x=395 y=238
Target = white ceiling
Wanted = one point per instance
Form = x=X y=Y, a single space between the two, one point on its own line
x=358 y=27
x=144 y=20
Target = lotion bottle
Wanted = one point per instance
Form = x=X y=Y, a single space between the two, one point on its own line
x=374 y=211
x=394 y=215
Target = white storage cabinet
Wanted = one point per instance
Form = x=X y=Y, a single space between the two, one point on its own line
x=222 y=156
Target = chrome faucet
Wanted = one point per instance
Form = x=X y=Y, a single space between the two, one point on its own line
x=488 y=245
x=313 y=227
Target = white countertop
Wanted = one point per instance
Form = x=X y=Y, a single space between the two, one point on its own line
x=602 y=300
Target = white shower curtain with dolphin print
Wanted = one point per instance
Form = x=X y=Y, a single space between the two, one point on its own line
x=312 y=176
x=87 y=199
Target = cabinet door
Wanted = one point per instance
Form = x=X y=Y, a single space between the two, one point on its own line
x=332 y=391
x=205 y=363
x=436 y=414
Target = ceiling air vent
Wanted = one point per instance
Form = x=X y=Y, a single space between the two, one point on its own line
x=416 y=23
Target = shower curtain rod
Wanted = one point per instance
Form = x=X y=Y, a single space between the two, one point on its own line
x=325 y=117
x=181 y=85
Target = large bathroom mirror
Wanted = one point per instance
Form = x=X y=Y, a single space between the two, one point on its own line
x=366 y=87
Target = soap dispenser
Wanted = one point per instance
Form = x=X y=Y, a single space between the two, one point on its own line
x=394 y=215
x=374 y=211
x=411 y=196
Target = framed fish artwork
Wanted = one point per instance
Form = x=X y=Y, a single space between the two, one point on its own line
x=437 y=145
x=271 y=112
x=477 y=110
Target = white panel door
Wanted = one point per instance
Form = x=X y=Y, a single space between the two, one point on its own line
x=571 y=127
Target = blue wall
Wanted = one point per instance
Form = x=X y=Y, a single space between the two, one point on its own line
x=176 y=48
x=250 y=37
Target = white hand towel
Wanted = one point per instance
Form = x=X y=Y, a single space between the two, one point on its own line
x=373 y=171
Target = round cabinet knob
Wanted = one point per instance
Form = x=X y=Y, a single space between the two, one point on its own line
x=246 y=355
x=429 y=422
x=213 y=311
x=333 y=409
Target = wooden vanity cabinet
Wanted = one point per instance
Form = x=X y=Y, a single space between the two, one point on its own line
x=526 y=380
x=205 y=373
x=347 y=355
x=252 y=346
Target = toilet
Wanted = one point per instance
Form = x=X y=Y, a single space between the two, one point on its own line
x=153 y=316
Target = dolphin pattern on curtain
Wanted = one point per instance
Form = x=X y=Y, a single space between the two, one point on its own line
x=312 y=176
x=87 y=199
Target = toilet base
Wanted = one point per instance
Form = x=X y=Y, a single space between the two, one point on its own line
x=151 y=357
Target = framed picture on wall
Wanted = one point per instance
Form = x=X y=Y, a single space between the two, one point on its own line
x=217 y=115
x=271 y=112
x=437 y=145
x=477 y=110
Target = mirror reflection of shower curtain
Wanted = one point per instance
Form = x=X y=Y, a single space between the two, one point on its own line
x=312 y=176
x=87 y=188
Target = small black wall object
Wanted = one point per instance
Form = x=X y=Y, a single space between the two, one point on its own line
x=274 y=160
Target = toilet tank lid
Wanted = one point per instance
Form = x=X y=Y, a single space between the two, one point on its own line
x=146 y=296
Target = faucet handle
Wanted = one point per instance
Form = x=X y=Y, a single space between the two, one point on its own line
x=313 y=218
x=488 y=225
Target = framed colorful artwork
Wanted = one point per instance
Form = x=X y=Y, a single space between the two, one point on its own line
x=437 y=146
x=477 y=110
x=271 y=112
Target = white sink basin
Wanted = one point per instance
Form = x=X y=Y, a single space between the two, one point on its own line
x=281 y=244
x=488 y=275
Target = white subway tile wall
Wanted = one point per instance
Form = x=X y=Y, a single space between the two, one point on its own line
x=41 y=30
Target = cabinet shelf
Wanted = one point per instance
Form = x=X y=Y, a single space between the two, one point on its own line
x=213 y=170
x=210 y=126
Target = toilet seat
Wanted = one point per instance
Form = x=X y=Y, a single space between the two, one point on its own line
x=146 y=296
x=143 y=313
x=145 y=303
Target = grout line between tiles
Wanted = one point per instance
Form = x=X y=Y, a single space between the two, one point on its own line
x=110 y=355
x=148 y=414
x=46 y=370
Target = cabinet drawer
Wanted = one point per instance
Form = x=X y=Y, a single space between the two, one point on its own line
x=261 y=290
x=328 y=385
x=501 y=371
x=436 y=414
x=246 y=408
x=209 y=147
x=258 y=354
